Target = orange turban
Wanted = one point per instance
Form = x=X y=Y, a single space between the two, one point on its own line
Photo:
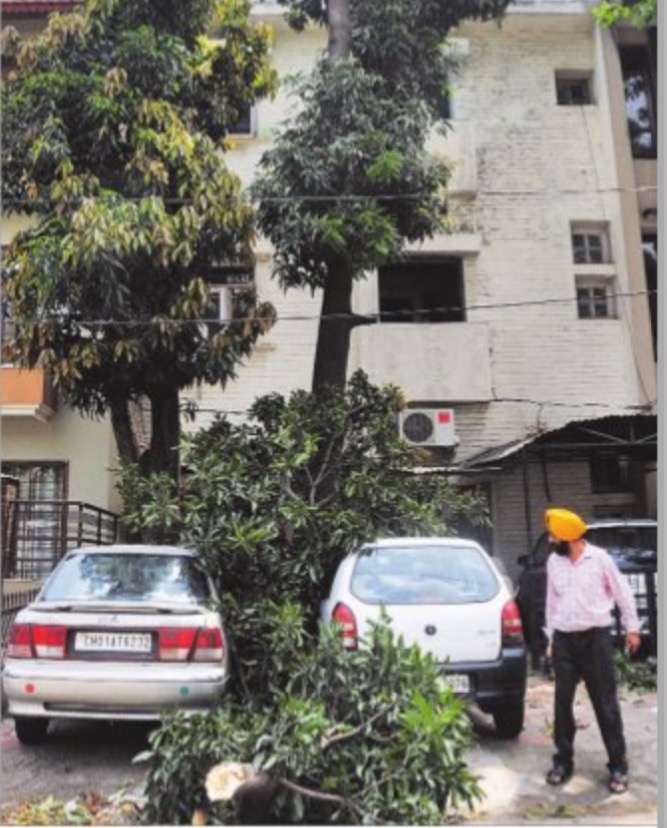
x=564 y=525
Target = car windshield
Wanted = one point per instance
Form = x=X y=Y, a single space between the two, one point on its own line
x=624 y=541
x=423 y=575
x=127 y=578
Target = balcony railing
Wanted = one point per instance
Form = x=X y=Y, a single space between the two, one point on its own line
x=37 y=533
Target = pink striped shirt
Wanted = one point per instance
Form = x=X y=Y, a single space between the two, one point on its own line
x=582 y=594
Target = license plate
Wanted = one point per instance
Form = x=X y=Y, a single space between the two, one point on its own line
x=113 y=642
x=459 y=682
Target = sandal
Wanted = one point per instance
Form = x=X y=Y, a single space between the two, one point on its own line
x=618 y=782
x=558 y=775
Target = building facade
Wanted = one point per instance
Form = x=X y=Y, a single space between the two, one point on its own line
x=546 y=279
x=535 y=316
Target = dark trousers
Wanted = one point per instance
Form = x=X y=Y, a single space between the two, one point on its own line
x=589 y=656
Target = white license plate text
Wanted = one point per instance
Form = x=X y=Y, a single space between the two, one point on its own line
x=113 y=642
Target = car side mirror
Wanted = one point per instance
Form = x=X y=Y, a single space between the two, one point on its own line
x=522 y=560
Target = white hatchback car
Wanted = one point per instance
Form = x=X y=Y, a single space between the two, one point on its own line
x=117 y=632
x=447 y=596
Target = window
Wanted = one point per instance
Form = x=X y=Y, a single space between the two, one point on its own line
x=422 y=291
x=129 y=578
x=446 y=106
x=594 y=298
x=637 y=66
x=228 y=286
x=610 y=473
x=245 y=124
x=650 y=248
x=423 y=574
x=573 y=88
x=587 y=248
x=590 y=243
x=634 y=537
x=39 y=481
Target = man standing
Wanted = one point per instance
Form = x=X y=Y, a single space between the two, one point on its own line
x=583 y=584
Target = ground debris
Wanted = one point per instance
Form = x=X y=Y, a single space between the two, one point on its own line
x=557 y=810
x=90 y=808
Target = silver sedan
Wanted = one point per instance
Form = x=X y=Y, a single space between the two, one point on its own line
x=117 y=632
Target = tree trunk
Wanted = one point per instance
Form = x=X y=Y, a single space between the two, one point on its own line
x=128 y=450
x=163 y=454
x=333 y=336
x=340 y=28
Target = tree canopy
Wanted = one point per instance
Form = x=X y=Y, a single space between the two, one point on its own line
x=348 y=181
x=116 y=122
x=252 y=504
x=640 y=13
x=275 y=503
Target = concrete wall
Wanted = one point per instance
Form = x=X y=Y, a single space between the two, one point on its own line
x=87 y=446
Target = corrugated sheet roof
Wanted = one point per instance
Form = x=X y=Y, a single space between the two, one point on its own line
x=636 y=431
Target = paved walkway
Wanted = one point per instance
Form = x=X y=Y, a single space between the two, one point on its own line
x=512 y=773
x=92 y=755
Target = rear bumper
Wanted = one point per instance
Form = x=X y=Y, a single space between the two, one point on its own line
x=126 y=691
x=494 y=682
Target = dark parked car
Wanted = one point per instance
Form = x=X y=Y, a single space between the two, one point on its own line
x=633 y=544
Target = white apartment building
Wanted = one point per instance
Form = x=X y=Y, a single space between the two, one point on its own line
x=539 y=382
x=554 y=212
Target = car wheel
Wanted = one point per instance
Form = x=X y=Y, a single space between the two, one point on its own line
x=509 y=719
x=31 y=731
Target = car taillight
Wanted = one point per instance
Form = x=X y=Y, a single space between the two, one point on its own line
x=175 y=643
x=210 y=646
x=19 y=641
x=512 y=629
x=49 y=640
x=344 y=618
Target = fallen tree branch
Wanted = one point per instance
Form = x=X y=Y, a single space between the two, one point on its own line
x=320 y=795
x=350 y=734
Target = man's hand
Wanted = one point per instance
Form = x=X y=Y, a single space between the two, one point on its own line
x=632 y=642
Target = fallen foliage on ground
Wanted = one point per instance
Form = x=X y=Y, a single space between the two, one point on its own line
x=90 y=808
x=641 y=676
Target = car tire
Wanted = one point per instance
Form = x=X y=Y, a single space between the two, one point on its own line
x=508 y=718
x=31 y=731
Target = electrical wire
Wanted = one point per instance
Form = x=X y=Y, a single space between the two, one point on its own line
x=191 y=405
x=360 y=317
x=343 y=197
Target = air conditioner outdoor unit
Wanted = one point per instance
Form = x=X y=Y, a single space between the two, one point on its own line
x=428 y=426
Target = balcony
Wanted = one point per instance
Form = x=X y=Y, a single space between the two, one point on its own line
x=26 y=393
x=444 y=362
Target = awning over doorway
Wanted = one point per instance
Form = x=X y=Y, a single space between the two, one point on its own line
x=634 y=435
